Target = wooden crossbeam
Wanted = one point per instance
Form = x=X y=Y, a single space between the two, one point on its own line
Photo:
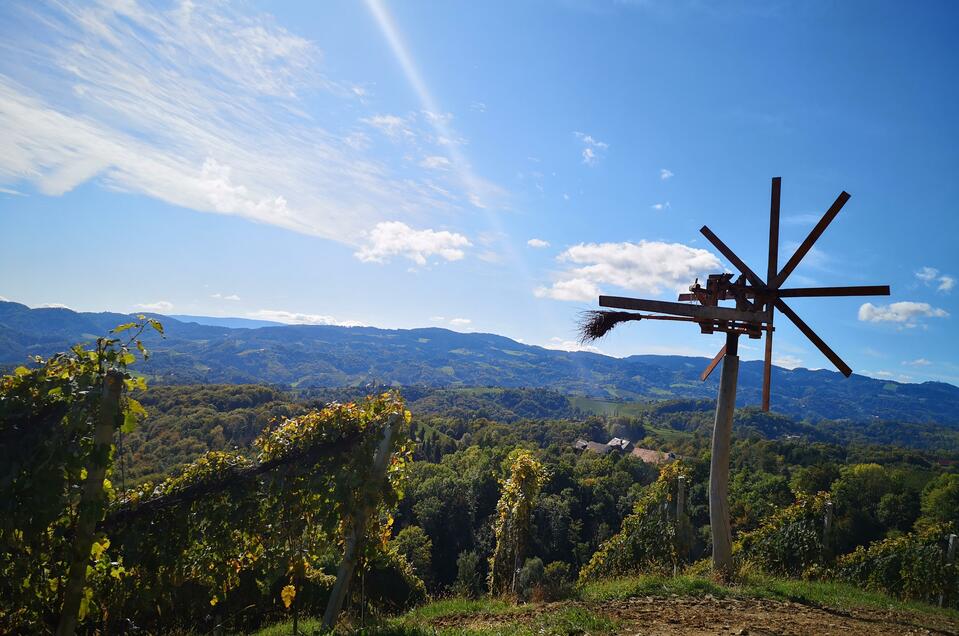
x=681 y=309
x=814 y=235
x=813 y=292
x=712 y=364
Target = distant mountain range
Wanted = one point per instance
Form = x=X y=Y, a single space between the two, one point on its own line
x=233 y=351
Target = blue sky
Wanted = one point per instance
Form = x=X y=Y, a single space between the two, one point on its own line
x=484 y=166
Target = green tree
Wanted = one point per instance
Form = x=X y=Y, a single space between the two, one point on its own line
x=940 y=500
x=514 y=517
x=414 y=544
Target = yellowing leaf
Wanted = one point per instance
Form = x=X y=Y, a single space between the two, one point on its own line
x=288 y=594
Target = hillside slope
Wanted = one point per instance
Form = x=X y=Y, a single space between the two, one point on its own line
x=328 y=356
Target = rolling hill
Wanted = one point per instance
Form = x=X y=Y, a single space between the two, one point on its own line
x=327 y=356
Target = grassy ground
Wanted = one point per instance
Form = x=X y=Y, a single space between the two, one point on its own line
x=584 y=614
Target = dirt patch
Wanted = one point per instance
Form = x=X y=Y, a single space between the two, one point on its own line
x=657 y=616
x=652 y=616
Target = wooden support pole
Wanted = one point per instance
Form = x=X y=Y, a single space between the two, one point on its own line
x=354 y=539
x=719 y=462
x=92 y=502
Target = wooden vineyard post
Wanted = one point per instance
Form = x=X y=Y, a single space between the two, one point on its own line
x=92 y=502
x=827 y=524
x=354 y=539
x=950 y=559
x=680 y=520
x=719 y=462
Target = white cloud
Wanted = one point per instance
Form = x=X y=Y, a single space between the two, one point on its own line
x=931 y=276
x=591 y=148
x=436 y=162
x=296 y=318
x=537 y=243
x=13 y=193
x=220 y=296
x=801 y=219
x=570 y=345
x=479 y=107
x=918 y=362
x=394 y=238
x=200 y=106
x=159 y=306
x=460 y=322
x=907 y=313
x=644 y=267
x=437 y=318
x=927 y=274
x=54 y=306
x=4 y=299
x=392 y=126
x=787 y=361
x=659 y=207
x=665 y=174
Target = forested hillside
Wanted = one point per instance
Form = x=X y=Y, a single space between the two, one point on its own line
x=326 y=356
x=235 y=505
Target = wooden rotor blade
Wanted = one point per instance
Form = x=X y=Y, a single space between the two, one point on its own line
x=712 y=364
x=768 y=370
x=774 y=232
x=731 y=257
x=810 y=292
x=807 y=244
x=815 y=339
x=699 y=312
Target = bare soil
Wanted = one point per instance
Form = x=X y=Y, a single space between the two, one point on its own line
x=657 y=616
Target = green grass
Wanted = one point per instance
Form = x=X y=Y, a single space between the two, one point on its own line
x=463 y=606
x=816 y=593
x=583 y=614
x=629 y=587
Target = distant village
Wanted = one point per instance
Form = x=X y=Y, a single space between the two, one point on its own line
x=620 y=445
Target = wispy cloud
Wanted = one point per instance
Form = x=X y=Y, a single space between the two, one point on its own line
x=220 y=296
x=659 y=207
x=200 y=106
x=460 y=322
x=570 y=345
x=787 y=361
x=905 y=313
x=395 y=238
x=297 y=318
x=537 y=243
x=665 y=174
x=646 y=267
x=918 y=362
x=159 y=306
x=931 y=276
x=592 y=148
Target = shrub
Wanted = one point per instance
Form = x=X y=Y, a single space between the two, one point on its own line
x=469 y=578
x=789 y=542
x=650 y=538
x=911 y=566
x=557 y=581
x=529 y=577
